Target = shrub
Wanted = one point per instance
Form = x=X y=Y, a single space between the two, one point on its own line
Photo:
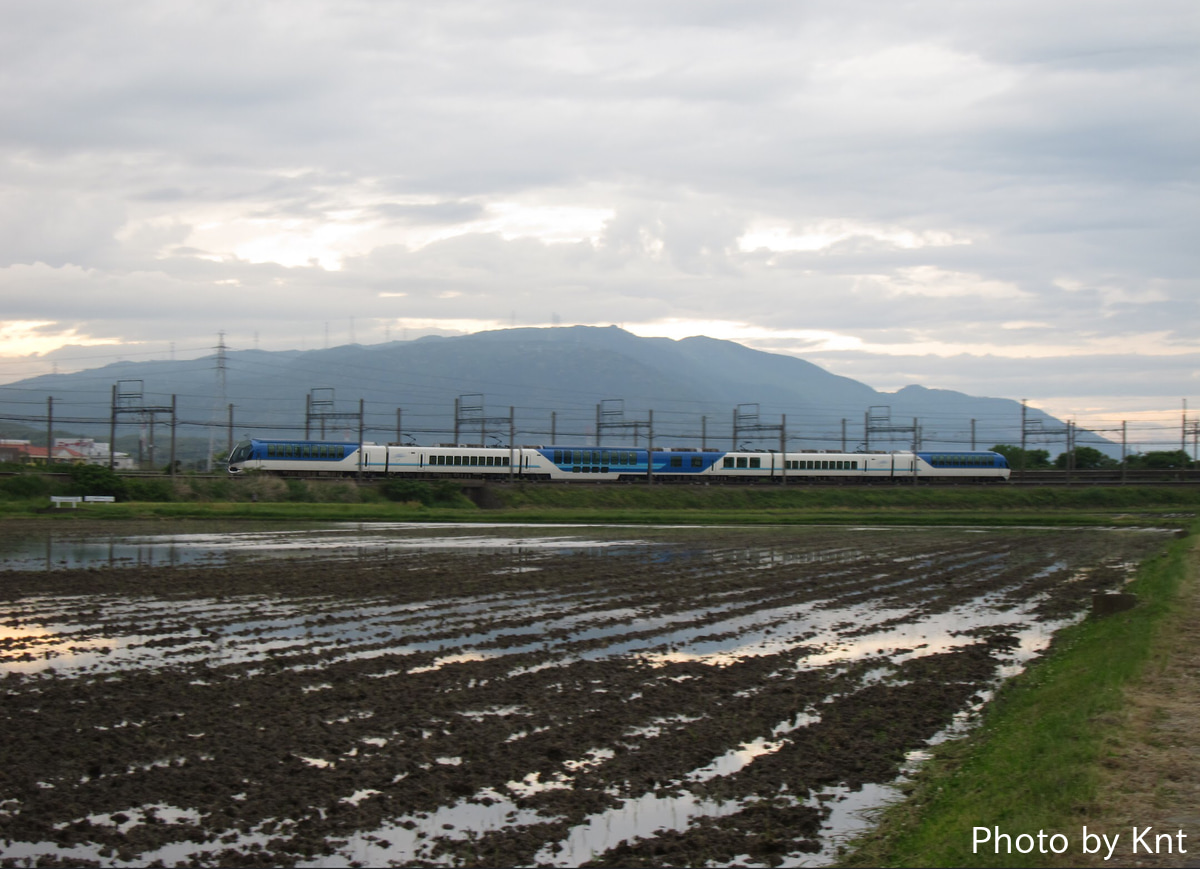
x=297 y=490
x=155 y=489
x=440 y=493
x=25 y=486
x=408 y=490
x=97 y=480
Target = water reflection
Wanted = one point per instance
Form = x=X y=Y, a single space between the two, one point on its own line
x=57 y=549
x=816 y=601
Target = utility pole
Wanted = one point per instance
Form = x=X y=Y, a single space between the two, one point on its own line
x=1024 y=411
x=783 y=449
x=49 y=432
x=212 y=429
x=360 y=439
x=650 y=452
x=1124 y=463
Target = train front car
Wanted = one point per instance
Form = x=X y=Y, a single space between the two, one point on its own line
x=240 y=457
x=304 y=457
x=968 y=466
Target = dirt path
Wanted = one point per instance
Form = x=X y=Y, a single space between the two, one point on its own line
x=1152 y=772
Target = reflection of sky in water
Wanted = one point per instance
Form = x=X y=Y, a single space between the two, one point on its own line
x=58 y=549
x=95 y=634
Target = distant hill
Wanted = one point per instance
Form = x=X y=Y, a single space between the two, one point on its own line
x=552 y=378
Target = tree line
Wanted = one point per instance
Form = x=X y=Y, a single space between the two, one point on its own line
x=1090 y=458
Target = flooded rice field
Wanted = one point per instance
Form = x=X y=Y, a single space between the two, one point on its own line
x=453 y=696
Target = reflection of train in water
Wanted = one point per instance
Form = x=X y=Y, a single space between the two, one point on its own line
x=315 y=458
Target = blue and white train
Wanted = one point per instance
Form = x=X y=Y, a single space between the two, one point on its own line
x=316 y=458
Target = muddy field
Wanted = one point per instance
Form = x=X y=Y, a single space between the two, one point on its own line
x=443 y=697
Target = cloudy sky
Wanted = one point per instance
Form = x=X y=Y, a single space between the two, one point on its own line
x=993 y=197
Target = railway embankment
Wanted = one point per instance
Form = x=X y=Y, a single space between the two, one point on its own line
x=1090 y=757
x=272 y=498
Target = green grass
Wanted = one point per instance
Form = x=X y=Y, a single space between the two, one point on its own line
x=662 y=504
x=947 y=498
x=1033 y=763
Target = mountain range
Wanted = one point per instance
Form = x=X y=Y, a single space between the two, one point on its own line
x=553 y=380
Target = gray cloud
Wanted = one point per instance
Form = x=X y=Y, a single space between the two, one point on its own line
x=936 y=176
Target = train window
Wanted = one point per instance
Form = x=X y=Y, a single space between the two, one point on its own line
x=567 y=458
x=676 y=461
x=854 y=465
x=741 y=462
x=504 y=461
x=697 y=462
x=558 y=457
x=728 y=463
x=755 y=463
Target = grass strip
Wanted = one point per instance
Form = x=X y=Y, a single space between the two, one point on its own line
x=1033 y=764
x=751 y=515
